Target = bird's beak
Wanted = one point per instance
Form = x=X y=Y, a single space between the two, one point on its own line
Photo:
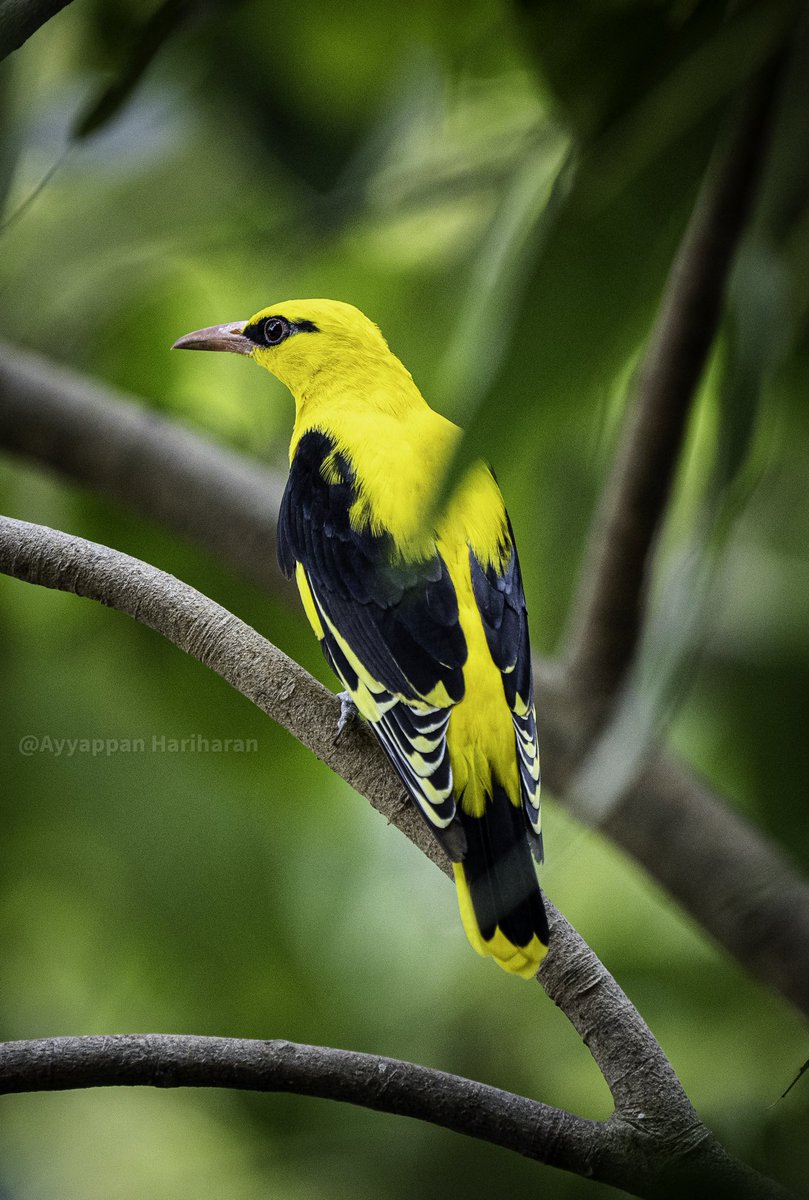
x=218 y=337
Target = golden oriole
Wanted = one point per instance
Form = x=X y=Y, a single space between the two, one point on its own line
x=426 y=629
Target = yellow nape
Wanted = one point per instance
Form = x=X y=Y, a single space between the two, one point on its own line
x=524 y=961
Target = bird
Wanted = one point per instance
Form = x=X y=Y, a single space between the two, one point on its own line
x=417 y=602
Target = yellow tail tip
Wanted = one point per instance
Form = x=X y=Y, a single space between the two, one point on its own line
x=524 y=961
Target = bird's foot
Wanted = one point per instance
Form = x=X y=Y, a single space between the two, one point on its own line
x=348 y=714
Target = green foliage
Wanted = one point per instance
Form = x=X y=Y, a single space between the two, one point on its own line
x=503 y=192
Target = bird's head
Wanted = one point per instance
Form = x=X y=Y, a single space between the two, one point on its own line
x=298 y=340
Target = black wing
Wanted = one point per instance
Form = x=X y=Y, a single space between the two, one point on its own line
x=390 y=629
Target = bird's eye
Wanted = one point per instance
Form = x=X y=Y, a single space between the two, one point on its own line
x=275 y=330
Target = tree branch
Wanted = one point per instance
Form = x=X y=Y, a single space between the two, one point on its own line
x=130 y=453
x=573 y=976
x=742 y=891
x=124 y=450
x=610 y=1151
x=243 y=658
x=610 y=607
x=708 y=857
x=387 y=1085
x=20 y=18
x=654 y=1143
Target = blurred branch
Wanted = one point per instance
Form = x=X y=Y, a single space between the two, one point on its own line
x=20 y=18
x=720 y=869
x=129 y=453
x=609 y=610
x=654 y=1144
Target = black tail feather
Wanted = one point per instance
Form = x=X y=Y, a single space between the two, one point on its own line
x=499 y=872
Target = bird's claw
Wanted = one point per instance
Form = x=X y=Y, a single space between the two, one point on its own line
x=348 y=713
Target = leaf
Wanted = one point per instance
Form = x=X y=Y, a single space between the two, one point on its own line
x=145 y=44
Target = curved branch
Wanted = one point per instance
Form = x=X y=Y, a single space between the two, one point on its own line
x=573 y=976
x=655 y=1143
x=610 y=607
x=531 y=1128
x=229 y=506
x=243 y=658
x=612 y=1151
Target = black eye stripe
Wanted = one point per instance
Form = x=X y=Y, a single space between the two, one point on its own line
x=258 y=331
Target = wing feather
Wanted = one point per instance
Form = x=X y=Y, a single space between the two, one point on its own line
x=390 y=629
x=500 y=599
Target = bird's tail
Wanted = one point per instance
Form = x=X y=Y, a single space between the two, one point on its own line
x=498 y=891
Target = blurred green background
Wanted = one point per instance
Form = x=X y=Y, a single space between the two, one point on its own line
x=502 y=189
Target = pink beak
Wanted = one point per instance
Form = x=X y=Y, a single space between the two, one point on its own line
x=217 y=337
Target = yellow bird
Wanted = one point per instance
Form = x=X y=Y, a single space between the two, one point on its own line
x=427 y=630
